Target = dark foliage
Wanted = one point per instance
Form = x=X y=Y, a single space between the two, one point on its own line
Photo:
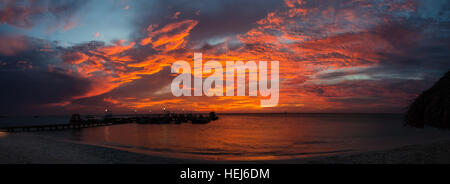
x=432 y=107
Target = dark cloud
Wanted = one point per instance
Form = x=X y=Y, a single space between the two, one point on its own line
x=216 y=18
x=28 y=13
x=414 y=55
x=29 y=81
x=336 y=55
x=23 y=91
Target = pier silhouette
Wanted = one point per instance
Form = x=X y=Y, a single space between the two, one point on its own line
x=77 y=122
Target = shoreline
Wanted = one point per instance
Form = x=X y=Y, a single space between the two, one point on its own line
x=437 y=152
x=24 y=148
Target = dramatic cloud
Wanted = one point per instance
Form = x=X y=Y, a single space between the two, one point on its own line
x=335 y=56
x=170 y=37
x=30 y=83
x=29 y=13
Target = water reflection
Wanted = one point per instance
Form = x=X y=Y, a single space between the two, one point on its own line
x=260 y=137
x=3 y=134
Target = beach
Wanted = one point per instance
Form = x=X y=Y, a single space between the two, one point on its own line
x=427 y=153
x=28 y=148
x=24 y=148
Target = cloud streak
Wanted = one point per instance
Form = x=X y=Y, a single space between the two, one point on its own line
x=335 y=56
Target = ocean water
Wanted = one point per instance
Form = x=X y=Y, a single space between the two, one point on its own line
x=257 y=136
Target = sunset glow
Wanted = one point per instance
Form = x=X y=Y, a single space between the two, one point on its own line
x=334 y=56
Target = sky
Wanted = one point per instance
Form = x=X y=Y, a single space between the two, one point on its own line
x=340 y=56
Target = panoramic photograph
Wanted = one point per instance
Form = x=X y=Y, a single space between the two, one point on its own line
x=242 y=82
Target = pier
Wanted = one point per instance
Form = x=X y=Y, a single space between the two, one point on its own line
x=55 y=127
x=76 y=122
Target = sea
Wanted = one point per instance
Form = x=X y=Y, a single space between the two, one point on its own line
x=249 y=137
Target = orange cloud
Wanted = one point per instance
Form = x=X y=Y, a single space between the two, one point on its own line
x=170 y=37
x=295 y=36
x=117 y=48
x=176 y=15
x=75 y=57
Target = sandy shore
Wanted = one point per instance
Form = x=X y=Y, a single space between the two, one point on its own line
x=32 y=148
x=430 y=153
